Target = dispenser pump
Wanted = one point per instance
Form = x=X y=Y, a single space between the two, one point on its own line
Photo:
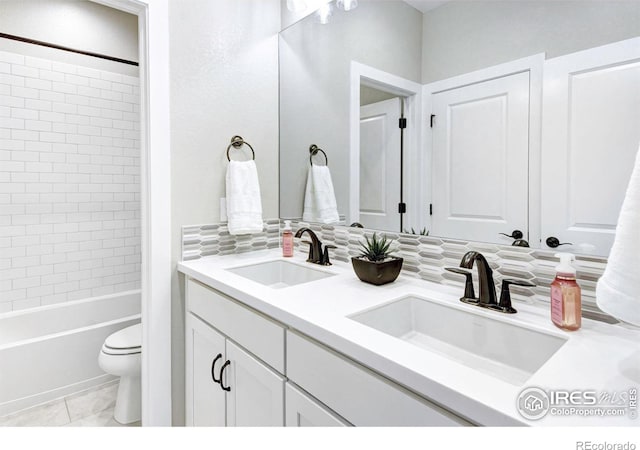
x=287 y=225
x=565 y=266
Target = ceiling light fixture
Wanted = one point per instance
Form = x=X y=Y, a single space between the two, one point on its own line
x=324 y=13
x=347 y=5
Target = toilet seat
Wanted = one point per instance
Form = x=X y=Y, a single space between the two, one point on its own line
x=124 y=342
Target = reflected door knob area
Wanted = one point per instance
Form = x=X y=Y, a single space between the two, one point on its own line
x=467 y=147
x=554 y=242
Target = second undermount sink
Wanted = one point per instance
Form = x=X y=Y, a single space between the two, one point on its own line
x=280 y=274
x=507 y=351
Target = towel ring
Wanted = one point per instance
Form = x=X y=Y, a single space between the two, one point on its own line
x=313 y=150
x=238 y=142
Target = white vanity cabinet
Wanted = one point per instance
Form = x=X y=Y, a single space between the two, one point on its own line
x=304 y=411
x=359 y=395
x=225 y=384
x=235 y=375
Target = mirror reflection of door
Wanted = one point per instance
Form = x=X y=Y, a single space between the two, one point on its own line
x=480 y=159
x=379 y=160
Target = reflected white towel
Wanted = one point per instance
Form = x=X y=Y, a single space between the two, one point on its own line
x=244 y=207
x=319 y=197
x=618 y=290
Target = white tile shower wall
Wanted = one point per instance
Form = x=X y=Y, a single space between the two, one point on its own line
x=69 y=182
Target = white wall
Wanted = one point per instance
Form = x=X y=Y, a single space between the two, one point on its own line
x=314 y=82
x=78 y=24
x=69 y=182
x=224 y=81
x=290 y=17
x=462 y=36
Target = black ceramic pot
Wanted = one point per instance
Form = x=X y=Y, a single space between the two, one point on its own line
x=377 y=272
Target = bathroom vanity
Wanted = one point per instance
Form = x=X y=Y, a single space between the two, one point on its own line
x=281 y=342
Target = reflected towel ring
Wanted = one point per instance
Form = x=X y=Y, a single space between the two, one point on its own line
x=238 y=142
x=313 y=150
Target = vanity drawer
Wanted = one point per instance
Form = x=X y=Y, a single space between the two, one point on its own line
x=355 y=392
x=260 y=335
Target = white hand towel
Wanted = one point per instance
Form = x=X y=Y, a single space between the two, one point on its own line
x=244 y=207
x=319 y=197
x=618 y=290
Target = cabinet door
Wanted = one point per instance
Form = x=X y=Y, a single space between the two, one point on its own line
x=480 y=159
x=256 y=395
x=205 y=400
x=303 y=411
x=590 y=135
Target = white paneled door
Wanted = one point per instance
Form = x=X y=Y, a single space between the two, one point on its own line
x=380 y=165
x=480 y=159
x=590 y=136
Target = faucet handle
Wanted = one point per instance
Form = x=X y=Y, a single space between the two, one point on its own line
x=505 y=295
x=325 y=256
x=469 y=293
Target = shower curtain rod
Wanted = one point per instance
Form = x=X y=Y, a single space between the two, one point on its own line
x=66 y=49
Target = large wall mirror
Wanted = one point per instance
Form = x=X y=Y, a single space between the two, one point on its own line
x=495 y=121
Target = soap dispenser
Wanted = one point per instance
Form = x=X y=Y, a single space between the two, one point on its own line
x=287 y=239
x=566 y=303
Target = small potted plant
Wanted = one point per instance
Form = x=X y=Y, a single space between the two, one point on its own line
x=374 y=265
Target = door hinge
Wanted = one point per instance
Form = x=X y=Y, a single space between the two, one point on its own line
x=433 y=117
x=402 y=123
x=431 y=209
x=402 y=208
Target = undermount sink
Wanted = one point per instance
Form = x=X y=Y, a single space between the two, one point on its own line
x=500 y=349
x=280 y=274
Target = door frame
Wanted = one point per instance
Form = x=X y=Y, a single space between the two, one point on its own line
x=412 y=91
x=534 y=65
x=155 y=165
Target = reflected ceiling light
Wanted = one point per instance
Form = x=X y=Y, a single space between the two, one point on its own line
x=324 y=13
x=347 y=5
x=296 y=5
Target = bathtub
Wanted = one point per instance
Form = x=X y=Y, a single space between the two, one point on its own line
x=52 y=351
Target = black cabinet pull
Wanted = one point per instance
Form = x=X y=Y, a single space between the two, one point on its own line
x=224 y=366
x=554 y=242
x=213 y=365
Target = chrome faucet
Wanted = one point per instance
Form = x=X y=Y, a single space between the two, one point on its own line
x=316 y=255
x=485 y=277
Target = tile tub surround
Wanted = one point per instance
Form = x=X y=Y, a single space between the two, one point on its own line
x=69 y=182
x=425 y=257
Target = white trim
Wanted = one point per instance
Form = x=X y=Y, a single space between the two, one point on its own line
x=532 y=64
x=153 y=31
x=372 y=77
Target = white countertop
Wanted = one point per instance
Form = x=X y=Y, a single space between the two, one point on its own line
x=599 y=357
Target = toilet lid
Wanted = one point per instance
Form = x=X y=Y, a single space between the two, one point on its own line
x=129 y=338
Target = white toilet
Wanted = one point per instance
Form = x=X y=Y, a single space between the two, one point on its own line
x=121 y=355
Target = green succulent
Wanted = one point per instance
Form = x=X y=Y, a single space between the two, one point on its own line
x=423 y=232
x=375 y=249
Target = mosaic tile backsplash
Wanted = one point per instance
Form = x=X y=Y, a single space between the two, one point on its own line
x=425 y=257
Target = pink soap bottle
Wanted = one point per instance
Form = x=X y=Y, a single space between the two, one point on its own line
x=287 y=239
x=566 y=302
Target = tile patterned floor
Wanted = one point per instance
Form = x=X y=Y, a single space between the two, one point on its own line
x=90 y=408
